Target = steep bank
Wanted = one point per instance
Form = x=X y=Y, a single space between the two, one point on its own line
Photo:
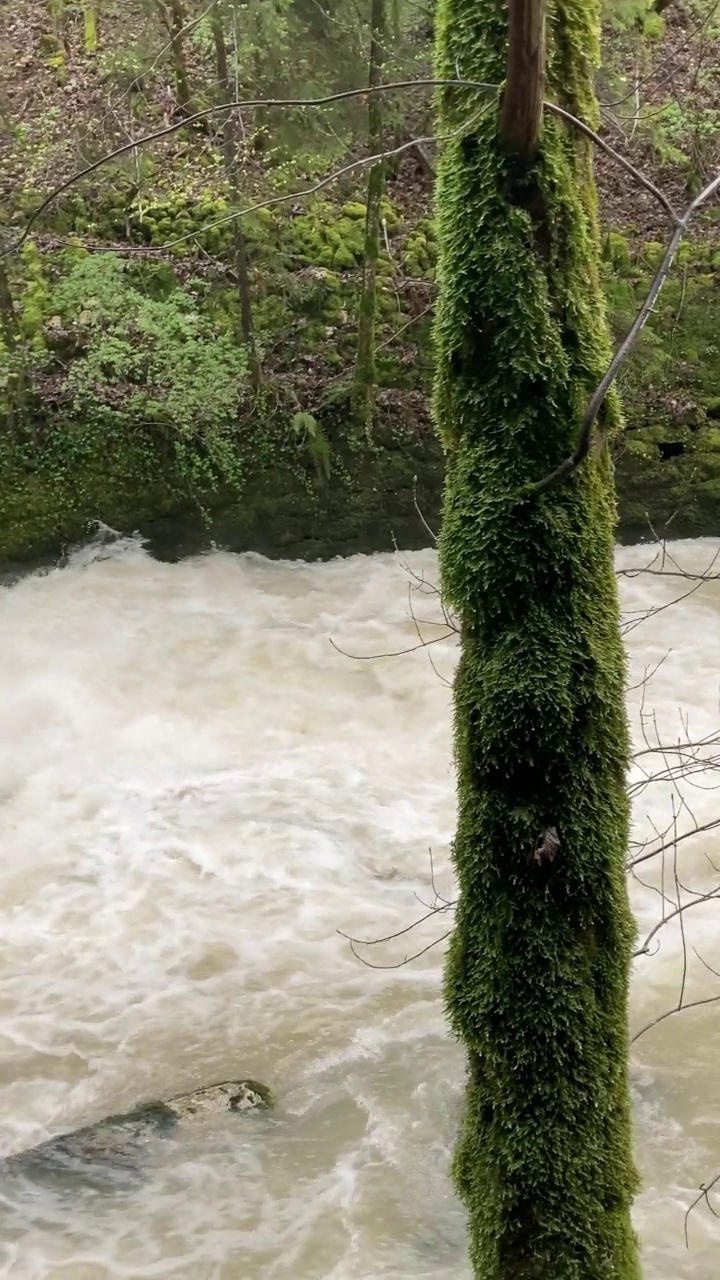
x=125 y=394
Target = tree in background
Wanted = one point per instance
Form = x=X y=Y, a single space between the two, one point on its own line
x=364 y=391
x=232 y=173
x=16 y=371
x=538 y=968
x=174 y=19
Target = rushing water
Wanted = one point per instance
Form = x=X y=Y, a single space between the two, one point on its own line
x=197 y=792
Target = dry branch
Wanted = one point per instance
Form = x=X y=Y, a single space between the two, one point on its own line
x=325 y=100
x=573 y=461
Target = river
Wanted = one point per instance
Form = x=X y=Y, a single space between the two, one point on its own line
x=199 y=794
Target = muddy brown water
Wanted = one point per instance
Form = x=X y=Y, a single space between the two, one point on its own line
x=197 y=791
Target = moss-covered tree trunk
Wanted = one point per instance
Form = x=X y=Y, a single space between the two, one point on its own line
x=365 y=378
x=10 y=331
x=90 y=29
x=230 y=159
x=538 y=967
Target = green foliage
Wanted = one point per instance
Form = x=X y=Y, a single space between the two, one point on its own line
x=420 y=255
x=627 y=15
x=617 y=252
x=311 y=436
x=122 y=69
x=34 y=298
x=90 y=37
x=538 y=967
x=686 y=133
x=319 y=238
x=677 y=360
x=149 y=360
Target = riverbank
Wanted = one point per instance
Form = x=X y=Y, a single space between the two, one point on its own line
x=127 y=395
x=364 y=498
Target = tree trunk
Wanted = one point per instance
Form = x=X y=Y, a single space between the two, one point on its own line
x=175 y=20
x=12 y=339
x=242 y=276
x=90 y=35
x=522 y=104
x=364 y=389
x=538 y=967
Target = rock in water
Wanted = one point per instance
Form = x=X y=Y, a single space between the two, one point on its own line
x=111 y=1151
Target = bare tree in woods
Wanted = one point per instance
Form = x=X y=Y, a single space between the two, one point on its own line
x=173 y=17
x=365 y=378
x=232 y=173
x=539 y=960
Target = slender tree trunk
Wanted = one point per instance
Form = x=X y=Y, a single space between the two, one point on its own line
x=240 y=258
x=90 y=34
x=538 y=967
x=522 y=104
x=174 y=19
x=365 y=385
x=12 y=339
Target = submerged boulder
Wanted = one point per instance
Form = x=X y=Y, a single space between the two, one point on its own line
x=113 y=1150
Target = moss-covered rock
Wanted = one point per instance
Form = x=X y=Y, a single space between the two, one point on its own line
x=78 y=474
x=114 y=1149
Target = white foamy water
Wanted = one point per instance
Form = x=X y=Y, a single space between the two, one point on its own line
x=197 y=791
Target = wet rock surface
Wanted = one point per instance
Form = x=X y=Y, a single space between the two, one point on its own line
x=114 y=1151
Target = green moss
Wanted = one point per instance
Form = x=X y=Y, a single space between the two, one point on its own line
x=390 y=216
x=343 y=259
x=52 y=494
x=354 y=209
x=617 y=252
x=538 y=967
x=419 y=255
x=653 y=253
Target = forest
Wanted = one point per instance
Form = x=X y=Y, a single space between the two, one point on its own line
x=219 y=321
x=308 y=279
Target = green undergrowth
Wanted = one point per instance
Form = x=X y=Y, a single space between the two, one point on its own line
x=136 y=357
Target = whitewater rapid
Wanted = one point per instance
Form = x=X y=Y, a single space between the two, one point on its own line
x=200 y=793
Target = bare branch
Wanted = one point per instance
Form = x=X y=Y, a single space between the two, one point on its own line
x=654 y=853
x=582 y=449
x=390 y=937
x=617 y=156
x=399 y=964
x=677 y=913
x=216 y=108
x=397 y=653
x=324 y=100
x=432 y=533
x=705 y=1188
x=692 y=1004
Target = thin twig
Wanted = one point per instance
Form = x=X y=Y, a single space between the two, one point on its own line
x=400 y=963
x=573 y=461
x=672 y=915
x=705 y=1188
x=326 y=100
x=692 y=1004
x=397 y=653
x=431 y=532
